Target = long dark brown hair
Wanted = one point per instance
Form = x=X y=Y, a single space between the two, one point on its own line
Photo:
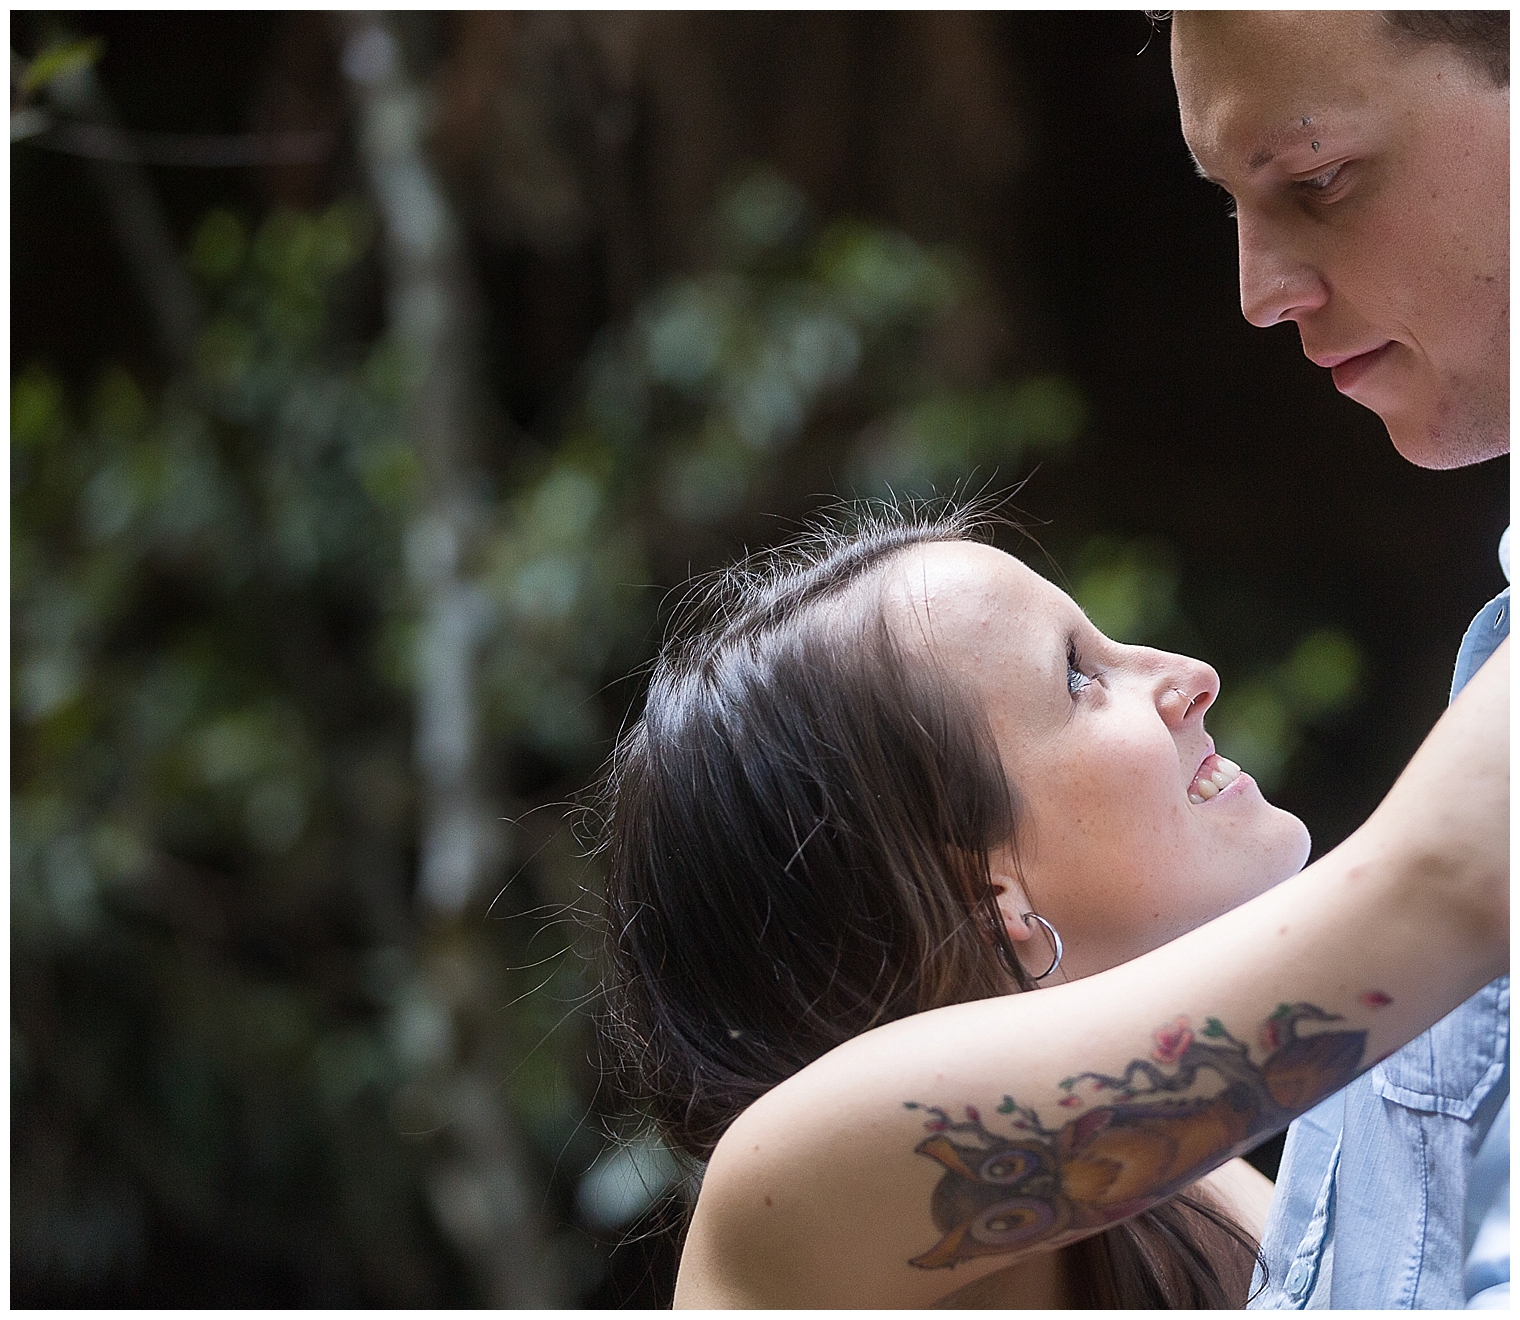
x=797 y=836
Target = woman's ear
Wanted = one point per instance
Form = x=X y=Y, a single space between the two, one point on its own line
x=1012 y=904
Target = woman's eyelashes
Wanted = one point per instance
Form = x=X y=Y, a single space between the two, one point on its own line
x=1076 y=680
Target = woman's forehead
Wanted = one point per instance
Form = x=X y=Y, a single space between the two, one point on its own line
x=952 y=585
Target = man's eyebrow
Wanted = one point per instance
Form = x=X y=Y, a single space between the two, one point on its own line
x=1259 y=159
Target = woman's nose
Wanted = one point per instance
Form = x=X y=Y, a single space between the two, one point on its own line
x=1186 y=691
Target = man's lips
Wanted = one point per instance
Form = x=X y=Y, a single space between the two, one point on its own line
x=1348 y=368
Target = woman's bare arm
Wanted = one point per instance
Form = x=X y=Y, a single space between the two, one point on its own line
x=932 y=1151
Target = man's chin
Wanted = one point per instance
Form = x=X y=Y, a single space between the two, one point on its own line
x=1448 y=440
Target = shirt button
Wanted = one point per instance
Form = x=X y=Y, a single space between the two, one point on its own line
x=1298 y=1276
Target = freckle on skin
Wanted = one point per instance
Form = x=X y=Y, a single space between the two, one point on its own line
x=767 y=1200
x=1282 y=930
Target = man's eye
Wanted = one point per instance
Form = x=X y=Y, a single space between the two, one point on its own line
x=1321 y=182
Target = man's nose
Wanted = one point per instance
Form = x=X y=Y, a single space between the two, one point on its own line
x=1276 y=284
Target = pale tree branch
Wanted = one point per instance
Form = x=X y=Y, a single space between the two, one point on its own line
x=484 y=1195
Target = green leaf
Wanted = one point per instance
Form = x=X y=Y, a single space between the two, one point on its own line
x=1323 y=673
x=61 y=58
x=118 y=407
x=219 y=246
x=38 y=410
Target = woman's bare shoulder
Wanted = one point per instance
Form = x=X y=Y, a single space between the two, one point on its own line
x=788 y=1215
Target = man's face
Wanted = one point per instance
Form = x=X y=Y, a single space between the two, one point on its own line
x=1371 y=181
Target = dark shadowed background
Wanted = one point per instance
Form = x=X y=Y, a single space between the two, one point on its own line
x=373 y=379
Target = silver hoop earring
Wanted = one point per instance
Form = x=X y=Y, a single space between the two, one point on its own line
x=1055 y=939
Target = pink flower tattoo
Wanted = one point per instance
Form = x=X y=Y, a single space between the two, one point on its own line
x=1172 y=1041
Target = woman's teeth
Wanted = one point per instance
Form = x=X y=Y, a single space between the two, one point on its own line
x=1216 y=773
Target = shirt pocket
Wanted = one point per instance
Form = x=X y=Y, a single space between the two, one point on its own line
x=1455 y=1064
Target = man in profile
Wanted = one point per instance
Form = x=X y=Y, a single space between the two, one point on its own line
x=1368 y=158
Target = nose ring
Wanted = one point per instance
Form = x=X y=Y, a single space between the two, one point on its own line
x=1191 y=701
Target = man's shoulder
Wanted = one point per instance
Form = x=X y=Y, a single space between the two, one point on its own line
x=1489 y=627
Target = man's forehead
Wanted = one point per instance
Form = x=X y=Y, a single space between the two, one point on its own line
x=1251 y=84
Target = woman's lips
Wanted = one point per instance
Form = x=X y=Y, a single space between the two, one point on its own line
x=1348 y=374
x=1215 y=776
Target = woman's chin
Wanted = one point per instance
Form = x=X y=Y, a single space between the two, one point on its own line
x=1296 y=845
x=1279 y=852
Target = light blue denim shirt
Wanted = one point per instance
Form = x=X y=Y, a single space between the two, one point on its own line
x=1394 y=1193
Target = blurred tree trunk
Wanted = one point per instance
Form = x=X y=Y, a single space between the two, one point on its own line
x=483 y=1193
x=433 y=315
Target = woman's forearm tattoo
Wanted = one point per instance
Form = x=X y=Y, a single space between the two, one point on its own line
x=1132 y=1139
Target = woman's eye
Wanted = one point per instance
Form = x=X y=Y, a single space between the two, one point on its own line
x=1076 y=680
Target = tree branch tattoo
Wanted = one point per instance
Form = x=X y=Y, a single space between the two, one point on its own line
x=1139 y=1137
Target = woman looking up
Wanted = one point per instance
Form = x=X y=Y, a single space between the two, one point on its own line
x=942 y=933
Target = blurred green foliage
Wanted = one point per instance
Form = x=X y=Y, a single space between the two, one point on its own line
x=1128 y=588
x=56 y=60
x=210 y=790
x=1262 y=722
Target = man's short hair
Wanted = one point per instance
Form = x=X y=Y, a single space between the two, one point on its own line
x=1480 y=35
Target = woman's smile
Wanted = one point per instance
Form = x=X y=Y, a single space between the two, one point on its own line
x=1215 y=775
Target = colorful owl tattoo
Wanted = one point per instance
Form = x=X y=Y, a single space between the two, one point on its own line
x=1138 y=1137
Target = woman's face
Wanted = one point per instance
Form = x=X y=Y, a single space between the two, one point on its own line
x=1127 y=839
